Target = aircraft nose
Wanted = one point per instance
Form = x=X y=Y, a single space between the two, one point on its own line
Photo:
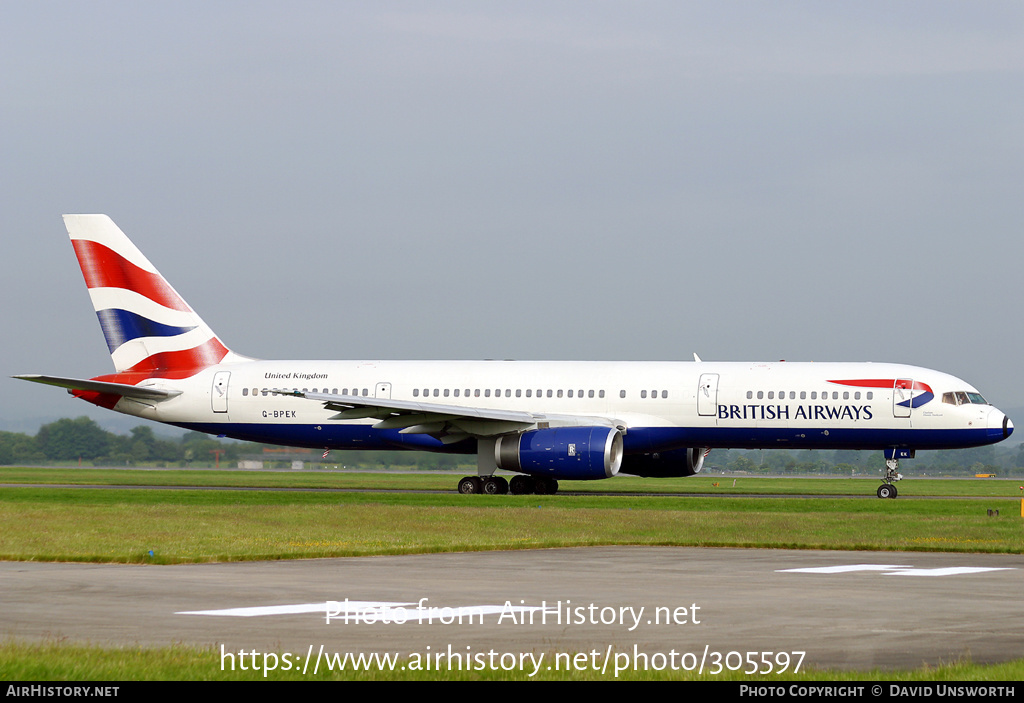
x=999 y=425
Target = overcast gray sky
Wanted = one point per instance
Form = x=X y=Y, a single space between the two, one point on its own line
x=534 y=180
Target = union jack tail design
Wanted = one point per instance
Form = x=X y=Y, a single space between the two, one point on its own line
x=150 y=329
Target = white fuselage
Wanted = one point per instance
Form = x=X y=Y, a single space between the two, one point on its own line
x=659 y=405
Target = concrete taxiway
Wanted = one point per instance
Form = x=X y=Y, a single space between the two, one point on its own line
x=844 y=609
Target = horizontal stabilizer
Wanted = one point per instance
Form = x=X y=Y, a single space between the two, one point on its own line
x=80 y=384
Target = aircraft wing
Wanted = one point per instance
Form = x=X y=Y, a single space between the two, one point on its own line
x=80 y=384
x=450 y=423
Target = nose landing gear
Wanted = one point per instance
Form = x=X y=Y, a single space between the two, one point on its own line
x=892 y=471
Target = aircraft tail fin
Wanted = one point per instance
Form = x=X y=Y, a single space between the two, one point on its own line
x=149 y=328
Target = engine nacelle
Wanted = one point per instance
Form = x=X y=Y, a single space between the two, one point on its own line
x=573 y=453
x=673 y=463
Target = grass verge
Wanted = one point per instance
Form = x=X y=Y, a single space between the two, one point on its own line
x=695 y=485
x=181 y=525
x=59 y=661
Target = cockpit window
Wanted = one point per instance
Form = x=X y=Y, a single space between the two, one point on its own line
x=963 y=398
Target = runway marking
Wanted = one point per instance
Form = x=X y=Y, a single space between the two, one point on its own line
x=367 y=611
x=949 y=571
x=896 y=570
x=288 y=609
x=844 y=569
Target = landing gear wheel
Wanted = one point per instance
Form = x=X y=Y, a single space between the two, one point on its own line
x=470 y=485
x=495 y=486
x=894 y=492
x=546 y=486
x=521 y=485
x=886 y=491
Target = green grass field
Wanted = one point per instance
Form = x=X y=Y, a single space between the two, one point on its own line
x=55 y=661
x=184 y=525
x=180 y=525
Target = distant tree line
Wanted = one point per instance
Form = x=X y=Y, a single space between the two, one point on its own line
x=82 y=440
x=998 y=460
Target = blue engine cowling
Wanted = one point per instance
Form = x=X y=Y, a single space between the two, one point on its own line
x=673 y=463
x=572 y=453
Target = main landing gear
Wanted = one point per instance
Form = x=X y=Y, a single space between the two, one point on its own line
x=892 y=474
x=489 y=485
x=518 y=486
x=525 y=485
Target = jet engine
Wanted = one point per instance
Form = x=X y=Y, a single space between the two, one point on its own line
x=573 y=453
x=673 y=463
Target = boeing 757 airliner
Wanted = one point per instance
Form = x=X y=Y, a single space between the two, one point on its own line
x=543 y=420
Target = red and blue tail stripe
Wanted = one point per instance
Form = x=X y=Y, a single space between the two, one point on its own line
x=120 y=326
x=104 y=268
x=149 y=328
